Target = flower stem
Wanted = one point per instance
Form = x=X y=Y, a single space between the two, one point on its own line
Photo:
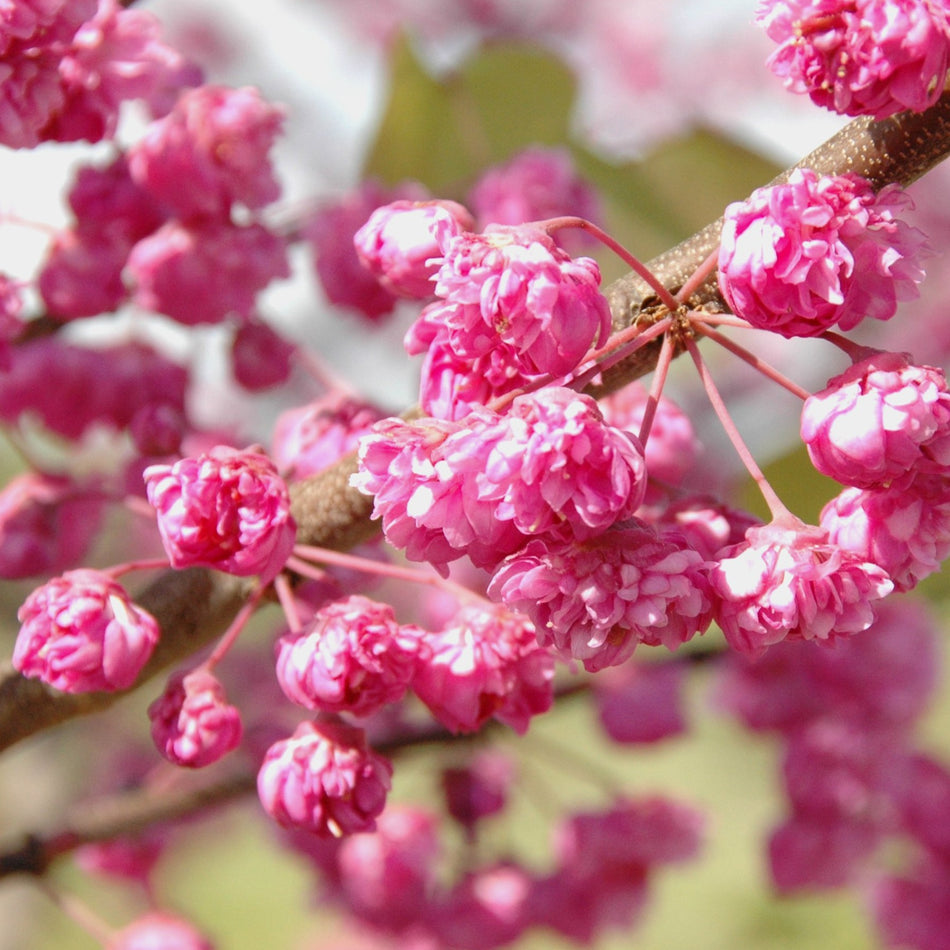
x=698 y=277
x=298 y=563
x=775 y=504
x=634 y=263
x=767 y=370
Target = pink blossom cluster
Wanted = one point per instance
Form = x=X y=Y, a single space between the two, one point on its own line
x=109 y=385
x=394 y=879
x=853 y=780
x=860 y=57
x=69 y=64
x=792 y=581
x=514 y=286
x=227 y=509
x=818 y=251
x=486 y=663
x=882 y=428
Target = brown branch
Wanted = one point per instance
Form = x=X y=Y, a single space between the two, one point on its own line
x=194 y=607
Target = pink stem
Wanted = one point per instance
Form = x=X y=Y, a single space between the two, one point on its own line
x=288 y=603
x=149 y=564
x=698 y=277
x=856 y=351
x=775 y=503
x=618 y=348
x=656 y=388
x=393 y=571
x=79 y=913
x=230 y=635
x=569 y=221
x=770 y=372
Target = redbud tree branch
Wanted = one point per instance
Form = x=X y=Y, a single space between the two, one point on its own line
x=194 y=607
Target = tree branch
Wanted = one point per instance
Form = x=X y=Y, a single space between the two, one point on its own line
x=194 y=607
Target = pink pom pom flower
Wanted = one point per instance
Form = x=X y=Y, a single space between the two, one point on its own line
x=192 y=723
x=486 y=663
x=864 y=57
x=210 y=153
x=516 y=286
x=789 y=580
x=879 y=421
x=595 y=601
x=352 y=657
x=82 y=633
x=802 y=256
x=325 y=780
x=226 y=509
x=402 y=243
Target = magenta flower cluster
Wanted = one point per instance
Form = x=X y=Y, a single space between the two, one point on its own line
x=818 y=251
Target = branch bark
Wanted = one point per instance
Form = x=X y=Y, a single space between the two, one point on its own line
x=194 y=607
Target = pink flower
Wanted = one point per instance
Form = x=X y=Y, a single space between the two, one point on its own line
x=260 y=356
x=324 y=779
x=105 y=200
x=82 y=274
x=192 y=723
x=115 y=57
x=34 y=36
x=387 y=877
x=46 y=524
x=640 y=702
x=330 y=233
x=596 y=600
x=490 y=906
x=157 y=929
x=82 y=633
x=550 y=464
x=911 y=908
x=790 y=580
x=310 y=438
x=202 y=271
x=864 y=57
x=226 y=509
x=536 y=184
x=800 y=257
x=515 y=285
x=486 y=662
x=876 y=422
x=478 y=789
x=905 y=529
x=108 y=385
x=452 y=386
x=402 y=243
x=352 y=657
x=672 y=450
x=210 y=153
